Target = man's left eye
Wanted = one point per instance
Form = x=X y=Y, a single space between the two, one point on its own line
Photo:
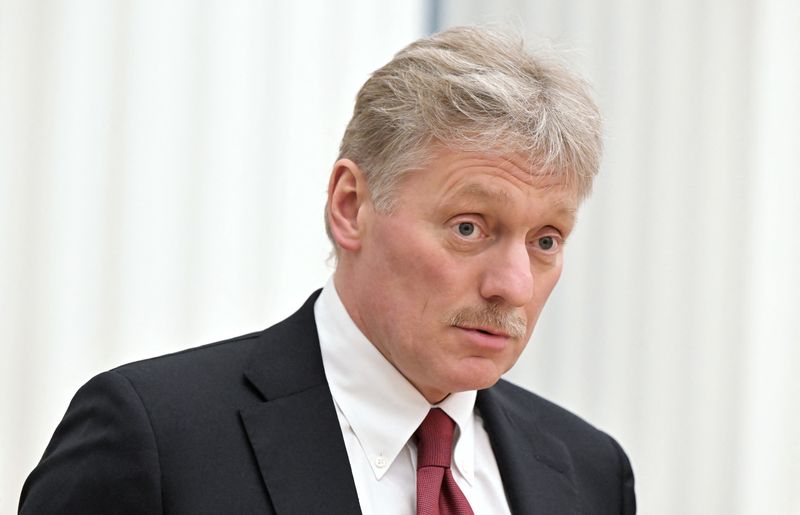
x=548 y=244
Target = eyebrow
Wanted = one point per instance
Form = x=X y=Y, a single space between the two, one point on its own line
x=480 y=193
x=476 y=193
x=570 y=211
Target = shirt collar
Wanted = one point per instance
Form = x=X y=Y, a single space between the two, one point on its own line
x=381 y=406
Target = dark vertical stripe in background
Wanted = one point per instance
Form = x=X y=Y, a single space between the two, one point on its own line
x=434 y=16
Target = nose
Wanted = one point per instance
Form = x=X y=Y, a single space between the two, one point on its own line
x=508 y=276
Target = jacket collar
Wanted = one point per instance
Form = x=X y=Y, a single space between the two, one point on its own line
x=295 y=433
x=535 y=466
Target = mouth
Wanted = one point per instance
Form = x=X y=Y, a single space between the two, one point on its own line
x=484 y=339
x=487 y=330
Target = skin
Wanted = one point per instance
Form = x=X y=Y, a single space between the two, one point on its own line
x=449 y=286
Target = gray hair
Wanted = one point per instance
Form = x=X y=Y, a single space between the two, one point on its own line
x=472 y=89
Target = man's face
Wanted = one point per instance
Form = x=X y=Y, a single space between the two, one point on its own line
x=450 y=284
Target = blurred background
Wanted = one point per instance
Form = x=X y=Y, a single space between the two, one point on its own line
x=163 y=166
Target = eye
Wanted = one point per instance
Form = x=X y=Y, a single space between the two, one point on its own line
x=466 y=228
x=549 y=244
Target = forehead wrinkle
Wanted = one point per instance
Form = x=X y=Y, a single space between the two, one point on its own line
x=513 y=167
x=479 y=192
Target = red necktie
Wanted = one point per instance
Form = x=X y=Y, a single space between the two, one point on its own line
x=437 y=491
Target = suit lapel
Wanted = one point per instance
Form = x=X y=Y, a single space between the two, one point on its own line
x=535 y=466
x=295 y=433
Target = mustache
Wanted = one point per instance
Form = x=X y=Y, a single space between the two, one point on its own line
x=492 y=316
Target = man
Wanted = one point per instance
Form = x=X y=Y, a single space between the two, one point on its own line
x=458 y=182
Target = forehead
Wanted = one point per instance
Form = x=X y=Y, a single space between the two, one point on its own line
x=486 y=177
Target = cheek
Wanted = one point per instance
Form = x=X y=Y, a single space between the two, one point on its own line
x=416 y=259
x=543 y=287
x=397 y=278
x=547 y=284
x=547 y=273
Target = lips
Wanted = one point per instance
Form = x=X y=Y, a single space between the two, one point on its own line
x=490 y=331
x=484 y=339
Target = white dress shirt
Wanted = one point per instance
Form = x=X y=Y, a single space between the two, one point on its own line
x=379 y=411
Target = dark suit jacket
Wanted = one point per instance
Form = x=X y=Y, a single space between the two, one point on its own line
x=248 y=425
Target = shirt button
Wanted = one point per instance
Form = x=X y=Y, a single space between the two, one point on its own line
x=380 y=462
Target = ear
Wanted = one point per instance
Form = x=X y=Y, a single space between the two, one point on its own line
x=347 y=196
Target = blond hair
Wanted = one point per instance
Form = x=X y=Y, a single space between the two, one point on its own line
x=472 y=89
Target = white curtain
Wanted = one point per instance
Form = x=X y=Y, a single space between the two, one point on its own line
x=676 y=326
x=163 y=167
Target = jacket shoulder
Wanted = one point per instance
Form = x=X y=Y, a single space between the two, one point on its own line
x=213 y=360
x=546 y=412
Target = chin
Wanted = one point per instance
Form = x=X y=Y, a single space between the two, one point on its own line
x=477 y=378
x=473 y=385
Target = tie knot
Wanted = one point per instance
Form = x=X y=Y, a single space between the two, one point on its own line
x=435 y=440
